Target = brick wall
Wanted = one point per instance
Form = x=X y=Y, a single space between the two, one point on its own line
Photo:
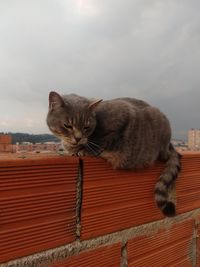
x=6 y=143
x=5 y=139
x=62 y=211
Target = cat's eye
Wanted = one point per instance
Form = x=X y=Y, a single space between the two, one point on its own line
x=67 y=126
x=86 y=128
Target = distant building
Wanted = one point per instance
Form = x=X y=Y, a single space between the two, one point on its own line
x=180 y=144
x=38 y=147
x=6 y=143
x=194 y=139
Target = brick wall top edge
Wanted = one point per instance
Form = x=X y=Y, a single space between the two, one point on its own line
x=185 y=156
x=15 y=161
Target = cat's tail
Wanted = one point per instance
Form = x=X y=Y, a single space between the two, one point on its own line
x=167 y=178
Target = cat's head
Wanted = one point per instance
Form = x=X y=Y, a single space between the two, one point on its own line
x=71 y=118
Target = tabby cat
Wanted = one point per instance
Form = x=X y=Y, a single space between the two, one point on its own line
x=127 y=132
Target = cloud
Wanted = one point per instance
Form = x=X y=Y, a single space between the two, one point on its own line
x=143 y=48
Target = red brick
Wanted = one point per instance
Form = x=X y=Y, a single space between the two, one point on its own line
x=170 y=247
x=188 y=184
x=5 y=139
x=38 y=204
x=108 y=256
x=114 y=200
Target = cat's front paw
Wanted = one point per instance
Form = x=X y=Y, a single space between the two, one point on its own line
x=81 y=153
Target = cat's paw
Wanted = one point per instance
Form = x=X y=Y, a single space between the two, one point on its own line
x=81 y=153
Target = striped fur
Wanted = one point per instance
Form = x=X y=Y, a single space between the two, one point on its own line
x=166 y=179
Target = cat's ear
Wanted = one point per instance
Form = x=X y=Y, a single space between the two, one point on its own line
x=55 y=100
x=94 y=104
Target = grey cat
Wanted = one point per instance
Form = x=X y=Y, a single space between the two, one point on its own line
x=127 y=132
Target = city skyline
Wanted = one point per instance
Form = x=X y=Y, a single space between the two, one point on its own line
x=194 y=139
x=143 y=49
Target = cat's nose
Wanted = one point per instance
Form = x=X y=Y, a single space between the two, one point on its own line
x=78 y=139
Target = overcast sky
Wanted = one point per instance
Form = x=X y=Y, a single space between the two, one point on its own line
x=147 y=49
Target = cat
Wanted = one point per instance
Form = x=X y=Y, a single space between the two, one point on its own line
x=127 y=132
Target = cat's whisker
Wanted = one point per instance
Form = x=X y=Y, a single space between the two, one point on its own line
x=96 y=153
x=89 y=148
x=96 y=147
x=92 y=143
